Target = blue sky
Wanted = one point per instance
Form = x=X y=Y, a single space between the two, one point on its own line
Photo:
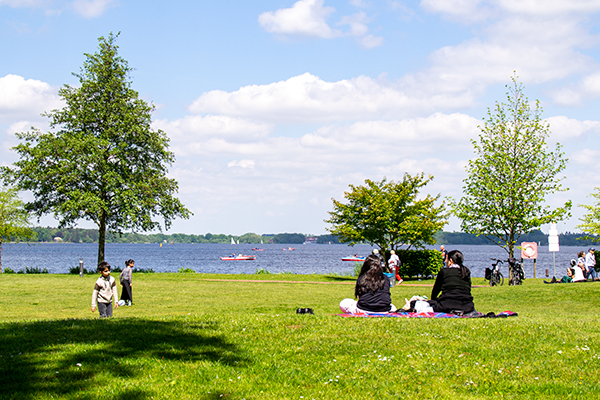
x=275 y=107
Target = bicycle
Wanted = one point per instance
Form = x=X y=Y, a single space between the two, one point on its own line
x=493 y=274
x=516 y=272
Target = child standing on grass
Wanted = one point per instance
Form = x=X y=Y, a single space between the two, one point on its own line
x=125 y=279
x=105 y=292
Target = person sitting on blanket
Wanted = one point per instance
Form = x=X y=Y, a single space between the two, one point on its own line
x=454 y=284
x=579 y=269
x=372 y=290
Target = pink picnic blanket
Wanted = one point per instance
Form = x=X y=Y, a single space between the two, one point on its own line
x=503 y=314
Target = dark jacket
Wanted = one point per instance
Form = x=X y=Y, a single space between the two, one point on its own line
x=455 y=292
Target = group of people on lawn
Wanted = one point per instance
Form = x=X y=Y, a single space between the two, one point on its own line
x=451 y=291
x=584 y=268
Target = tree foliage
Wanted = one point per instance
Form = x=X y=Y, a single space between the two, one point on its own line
x=388 y=214
x=14 y=219
x=591 y=220
x=504 y=193
x=102 y=162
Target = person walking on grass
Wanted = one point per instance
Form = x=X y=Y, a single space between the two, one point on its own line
x=125 y=279
x=105 y=292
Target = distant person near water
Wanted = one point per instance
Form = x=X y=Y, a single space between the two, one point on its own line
x=126 y=282
x=394 y=263
x=372 y=290
x=444 y=254
x=105 y=292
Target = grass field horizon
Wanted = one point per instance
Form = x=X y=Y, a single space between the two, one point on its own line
x=209 y=336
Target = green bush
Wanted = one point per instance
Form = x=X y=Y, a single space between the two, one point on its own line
x=8 y=270
x=420 y=262
x=35 y=270
x=260 y=271
x=75 y=271
x=143 y=270
x=186 y=271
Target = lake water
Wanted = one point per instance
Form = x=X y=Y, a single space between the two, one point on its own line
x=305 y=259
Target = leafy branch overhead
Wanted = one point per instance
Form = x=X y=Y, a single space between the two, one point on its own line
x=505 y=191
x=388 y=214
x=102 y=162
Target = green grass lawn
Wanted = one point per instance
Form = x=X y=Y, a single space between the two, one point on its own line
x=200 y=336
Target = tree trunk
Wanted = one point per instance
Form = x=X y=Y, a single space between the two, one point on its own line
x=101 y=238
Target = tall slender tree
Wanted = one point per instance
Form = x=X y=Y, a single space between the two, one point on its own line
x=14 y=219
x=507 y=184
x=102 y=162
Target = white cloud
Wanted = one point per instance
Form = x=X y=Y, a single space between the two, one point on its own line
x=309 y=18
x=22 y=98
x=461 y=10
x=192 y=134
x=91 y=8
x=546 y=7
x=305 y=18
x=241 y=163
x=587 y=157
x=22 y=3
x=308 y=98
x=564 y=128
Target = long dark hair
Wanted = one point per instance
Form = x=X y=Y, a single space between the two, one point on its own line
x=371 y=276
x=458 y=259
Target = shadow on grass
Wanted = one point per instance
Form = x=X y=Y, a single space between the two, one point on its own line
x=336 y=278
x=64 y=357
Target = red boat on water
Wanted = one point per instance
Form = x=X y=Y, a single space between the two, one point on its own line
x=354 y=258
x=238 y=258
x=289 y=249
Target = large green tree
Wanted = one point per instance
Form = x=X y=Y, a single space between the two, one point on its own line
x=388 y=214
x=14 y=219
x=590 y=223
x=505 y=191
x=102 y=161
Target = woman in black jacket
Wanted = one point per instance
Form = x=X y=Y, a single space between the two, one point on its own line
x=454 y=284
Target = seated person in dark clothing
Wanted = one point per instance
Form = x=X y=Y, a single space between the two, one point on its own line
x=372 y=290
x=454 y=284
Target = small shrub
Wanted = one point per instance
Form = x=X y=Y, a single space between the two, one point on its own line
x=143 y=270
x=262 y=271
x=186 y=271
x=116 y=269
x=75 y=271
x=35 y=270
x=357 y=268
x=9 y=270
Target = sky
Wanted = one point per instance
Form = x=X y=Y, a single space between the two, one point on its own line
x=274 y=107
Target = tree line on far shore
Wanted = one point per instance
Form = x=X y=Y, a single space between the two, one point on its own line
x=80 y=235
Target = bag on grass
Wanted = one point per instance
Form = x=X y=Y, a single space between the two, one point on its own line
x=488 y=273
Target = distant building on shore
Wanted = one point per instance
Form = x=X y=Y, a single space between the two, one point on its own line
x=311 y=240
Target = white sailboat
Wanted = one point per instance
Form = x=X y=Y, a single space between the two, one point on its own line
x=232 y=241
